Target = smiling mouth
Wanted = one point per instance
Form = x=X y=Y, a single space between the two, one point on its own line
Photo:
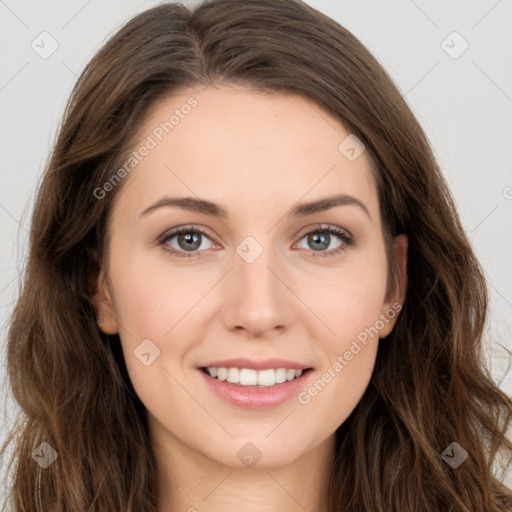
x=245 y=377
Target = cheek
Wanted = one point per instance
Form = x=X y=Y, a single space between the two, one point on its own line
x=348 y=349
x=350 y=299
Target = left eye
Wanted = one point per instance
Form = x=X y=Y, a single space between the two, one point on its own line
x=190 y=241
x=321 y=237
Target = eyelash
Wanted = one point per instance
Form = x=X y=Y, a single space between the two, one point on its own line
x=348 y=241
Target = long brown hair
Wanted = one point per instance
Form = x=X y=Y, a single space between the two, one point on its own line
x=429 y=388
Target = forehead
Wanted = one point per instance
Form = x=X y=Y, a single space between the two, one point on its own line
x=247 y=148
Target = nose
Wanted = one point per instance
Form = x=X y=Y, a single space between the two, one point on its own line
x=258 y=297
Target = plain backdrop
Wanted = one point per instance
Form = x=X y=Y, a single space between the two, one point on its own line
x=452 y=61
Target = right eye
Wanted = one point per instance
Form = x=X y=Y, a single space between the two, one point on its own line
x=188 y=240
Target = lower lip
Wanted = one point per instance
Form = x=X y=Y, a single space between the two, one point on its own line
x=254 y=397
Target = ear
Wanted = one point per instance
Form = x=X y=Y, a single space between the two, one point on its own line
x=394 y=301
x=104 y=305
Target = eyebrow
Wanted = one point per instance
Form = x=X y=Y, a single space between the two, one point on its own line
x=215 y=210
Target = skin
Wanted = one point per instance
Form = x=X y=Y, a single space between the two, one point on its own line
x=257 y=155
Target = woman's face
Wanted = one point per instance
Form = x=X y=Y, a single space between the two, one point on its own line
x=263 y=281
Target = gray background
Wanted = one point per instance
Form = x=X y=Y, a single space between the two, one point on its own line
x=463 y=103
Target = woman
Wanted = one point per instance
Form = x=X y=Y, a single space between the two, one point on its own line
x=317 y=346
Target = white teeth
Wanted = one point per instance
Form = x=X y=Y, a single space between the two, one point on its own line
x=266 y=377
x=250 y=377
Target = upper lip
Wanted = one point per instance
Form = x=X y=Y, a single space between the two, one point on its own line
x=263 y=364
